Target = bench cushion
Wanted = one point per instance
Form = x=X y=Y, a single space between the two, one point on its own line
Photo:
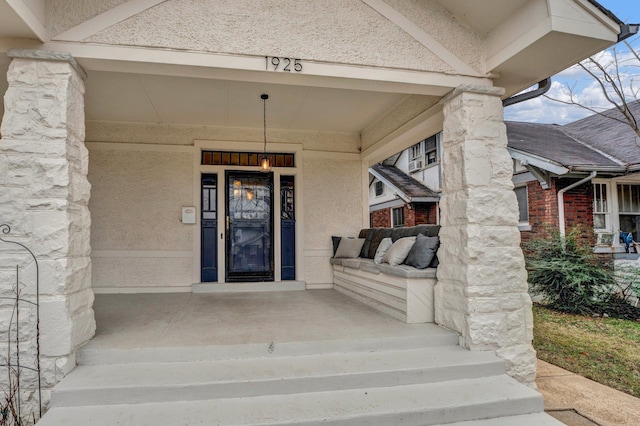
x=378 y=235
x=367 y=234
x=422 y=252
x=405 y=271
x=413 y=231
x=399 y=251
x=349 y=247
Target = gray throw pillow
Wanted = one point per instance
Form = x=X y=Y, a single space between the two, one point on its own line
x=385 y=245
x=399 y=251
x=422 y=252
x=335 y=242
x=349 y=248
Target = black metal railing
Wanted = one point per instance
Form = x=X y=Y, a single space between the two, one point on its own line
x=11 y=406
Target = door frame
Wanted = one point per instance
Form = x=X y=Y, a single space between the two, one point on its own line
x=297 y=171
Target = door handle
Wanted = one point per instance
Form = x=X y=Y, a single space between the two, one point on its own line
x=227 y=223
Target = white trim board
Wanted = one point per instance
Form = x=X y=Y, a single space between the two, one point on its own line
x=136 y=290
x=125 y=146
x=237 y=67
x=147 y=254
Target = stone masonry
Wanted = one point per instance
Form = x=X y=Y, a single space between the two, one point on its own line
x=44 y=195
x=482 y=282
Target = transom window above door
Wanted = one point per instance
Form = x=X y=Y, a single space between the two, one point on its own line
x=228 y=158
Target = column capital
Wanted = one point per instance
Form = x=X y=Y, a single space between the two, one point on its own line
x=48 y=55
x=469 y=88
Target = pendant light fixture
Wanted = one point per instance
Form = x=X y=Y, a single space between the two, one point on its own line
x=265 y=162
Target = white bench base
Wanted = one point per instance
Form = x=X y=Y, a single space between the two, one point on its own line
x=407 y=299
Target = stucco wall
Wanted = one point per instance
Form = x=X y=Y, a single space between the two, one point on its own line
x=332 y=206
x=439 y=24
x=168 y=134
x=352 y=31
x=69 y=13
x=137 y=238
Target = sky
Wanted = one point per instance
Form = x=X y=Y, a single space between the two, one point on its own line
x=577 y=82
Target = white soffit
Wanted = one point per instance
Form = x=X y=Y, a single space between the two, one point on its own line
x=146 y=98
x=482 y=16
x=13 y=25
x=544 y=37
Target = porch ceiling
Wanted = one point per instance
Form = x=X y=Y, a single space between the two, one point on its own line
x=147 y=98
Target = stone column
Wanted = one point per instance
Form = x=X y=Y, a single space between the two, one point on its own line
x=44 y=195
x=482 y=282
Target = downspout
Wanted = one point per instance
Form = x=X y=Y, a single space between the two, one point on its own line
x=561 y=202
x=543 y=87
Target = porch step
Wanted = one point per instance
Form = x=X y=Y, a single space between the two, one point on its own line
x=415 y=404
x=423 y=379
x=187 y=381
x=94 y=354
x=248 y=287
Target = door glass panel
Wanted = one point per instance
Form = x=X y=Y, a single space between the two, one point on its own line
x=287 y=229
x=249 y=239
x=209 y=229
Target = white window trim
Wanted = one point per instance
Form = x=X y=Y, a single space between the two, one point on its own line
x=609 y=214
x=420 y=155
x=393 y=225
x=522 y=225
x=438 y=151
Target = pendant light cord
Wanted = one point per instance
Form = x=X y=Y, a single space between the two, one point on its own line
x=264 y=104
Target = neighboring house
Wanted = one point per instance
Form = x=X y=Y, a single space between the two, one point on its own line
x=132 y=132
x=583 y=173
x=400 y=200
x=404 y=190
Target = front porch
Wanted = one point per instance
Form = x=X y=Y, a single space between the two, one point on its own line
x=143 y=321
x=274 y=358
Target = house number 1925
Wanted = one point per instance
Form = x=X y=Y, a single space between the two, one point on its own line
x=276 y=63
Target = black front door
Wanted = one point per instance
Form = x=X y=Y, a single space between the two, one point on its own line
x=249 y=224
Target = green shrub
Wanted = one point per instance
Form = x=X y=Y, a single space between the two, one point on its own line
x=567 y=274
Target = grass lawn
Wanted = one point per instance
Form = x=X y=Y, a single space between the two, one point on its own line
x=606 y=350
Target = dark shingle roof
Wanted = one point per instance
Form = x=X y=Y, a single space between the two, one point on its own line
x=551 y=142
x=403 y=182
x=613 y=137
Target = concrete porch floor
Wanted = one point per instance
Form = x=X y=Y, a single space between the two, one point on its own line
x=131 y=321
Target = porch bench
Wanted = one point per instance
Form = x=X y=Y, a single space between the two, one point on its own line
x=403 y=292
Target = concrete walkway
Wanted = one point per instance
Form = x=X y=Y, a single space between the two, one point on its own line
x=577 y=401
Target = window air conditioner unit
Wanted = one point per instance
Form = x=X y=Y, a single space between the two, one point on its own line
x=604 y=238
x=415 y=165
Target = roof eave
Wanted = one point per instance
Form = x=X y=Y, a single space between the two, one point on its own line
x=388 y=183
x=537 y=161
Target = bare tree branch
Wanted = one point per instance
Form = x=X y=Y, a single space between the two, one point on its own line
x=616 y=87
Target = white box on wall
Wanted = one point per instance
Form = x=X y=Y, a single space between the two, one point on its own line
x=188 y=215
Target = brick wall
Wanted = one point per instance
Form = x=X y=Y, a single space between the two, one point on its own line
x=543 y=209
x=381 y=218
x=578 y=209
x=419 y=214
x=425 y=213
